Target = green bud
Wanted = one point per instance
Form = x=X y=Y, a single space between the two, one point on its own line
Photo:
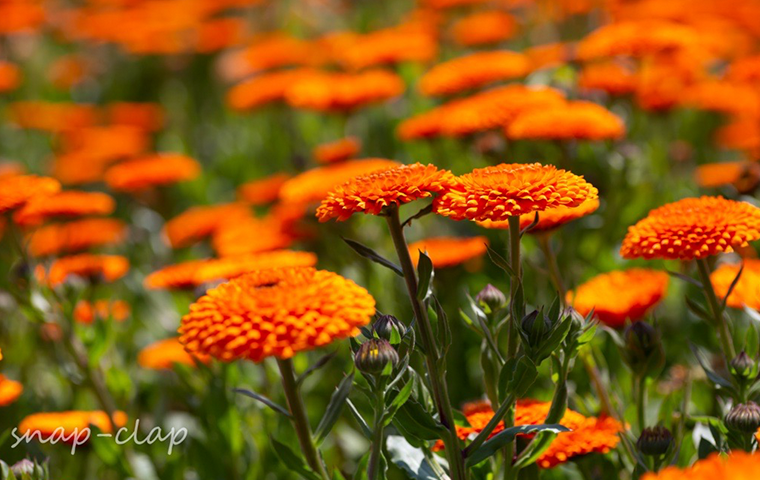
x=744 y=417
x=535 y=326
x=655 y=441
x=743 y=367
x=386 y=325
x=491 y=298
x=643 y=351
x=374 y=355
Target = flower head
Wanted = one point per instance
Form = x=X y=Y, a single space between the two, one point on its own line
x=327 y=91
x=197 y=223
x=179 y=276
x=264 y=190
x=265 y=88
x=275 y=312
x=482 y=28
x=473 y=71
x=737 y=466
x=232 y=267
x=68 y=423
x=449 y=251
x=609 y=77
x=142 y=173
x=64 y=204
x=549 y=219
x=338 y=150
x=10 y=77
x=570 y=121
x=143 y=115
x=742 y=174
x=747 y=289
x=693 y=228
x=10 y=390
x=109 y=267
x=637 y=38
x=75 y=236
x=250 y=235
x=86 y=312
x=164 y=354
x=16 y=190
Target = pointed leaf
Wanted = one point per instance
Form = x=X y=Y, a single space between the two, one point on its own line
x=685 y=278
x=424 y=211
x=397 y=402
x=499 y=260
x=731 y=287
x=337 y=400
x=370 y=254
x=409 y=459
x=698 y=310
x=261 y=398
x=505 y=437
x=292 y=461
x=424 y=274
x=317 y=365
x=366 y=431
x=719 y=381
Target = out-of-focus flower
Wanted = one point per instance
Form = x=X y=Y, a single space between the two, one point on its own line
x=327 y=91
x=371 y=193
x=655 y=441
x=549 y=55
x=250 y=235
x=146 y=172
x=473 y=71
x=164 y=354
x=10 y=77
x=738 y=465
x=570 y=121
x=53 y=117
x=269 y=52
x=724 y=97
x=67 y=71
x=21 y=17
x=743 y=133
x=10 y=169
x=75 y=236
x=747 y=289
x=69 y=203
x=744 y=70
x=86 y=312
x=610 y=77
x=636 y=39
x=264 y=190
x=10 y=390
x=196 y=223
x=265 y=88
x=550 y=218
x=450 y=3
x=693 y=228
x=620 y=295
x=338 y=150
x=497 y=193
x=231 y=267
x=449 y=251
x=16 y=190
x=143 y=115
x=482 y=28
x=67 y=424
x=743 y=175
x=219 y=33
x=179 y=276
x=276 y=313
x=109 y=267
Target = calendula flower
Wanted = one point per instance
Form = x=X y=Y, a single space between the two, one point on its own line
x=69 y=203
x=549 y=219
x=449 y=251
x=450 y=3
x=621 y=295
x=276 y=313
x=693 y=228
x=10 y=77
x=473 y=71
x=164 y=354
x=68 y=424
x=86 y=312
x=744 y=70
x=744 y=175
x=219 y=33
x=338 y=150
x=10 y=390
x=200 y=222
x=179 y=276
x=274 y=51
x=372 y=193
x=724 y=97
x=107 y=144
x=109 y=267
x=77 y=235
x=637 y=38
x=497 y=193
x=53 y=117
x=483 y=28
x=161 y=169
x=570 y=121
x=232 y=267
x=264 y=190
x=250 y=235
x=610 y=77
x=412 y=41
x=21 y=17
x=16 y=190
x=328 y=92
x=742 y=133
x=143 y=115
x=264 y=88
x=747 y=289
x=549 y=55
x=738 y=465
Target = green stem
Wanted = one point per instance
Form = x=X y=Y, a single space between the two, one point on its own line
x=596 y=379
x=640 y=390
x=544 y=241
x=516 y=277
x=373 y=467
x=437 y=381
x=724 y=335
x=300 y=420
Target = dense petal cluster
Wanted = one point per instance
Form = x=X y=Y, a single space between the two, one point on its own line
x=69 y=203
x=200 y=222
x=737 y=466
x=338 y=150
x=231 y=267
x=108 y=267
x=164 y=354
x=449 y=251
x=550 y=218
x=275 y=313
x=473 y=71
x=693 y=228
x=570 y=121
x=68 y=423
x=747 y=289
x=482 y=28
x=264 y=190
x=142 y=173
x=75 y=236
x=16 y=190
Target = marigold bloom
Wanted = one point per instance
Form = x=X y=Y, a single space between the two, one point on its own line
x=10 y=169
x=53 y=117
x=747 y=289
x=637 y=38
x=110 y=267
x=19 y=17
x=744 y=175
x=371 y=193
x=450 y=3
x=549 y=55
x=326 y=91
x=620 y=295
x=16 y=190
x=264 y=88
x=273 y=51
x=449 y=251
x=744 y=70
x=143 y=115
x=86 y=312
x=550 y=218
x=232 y=267
x=743 y=133
x=250 y=235
x=161 y=169
x=497 y=193
x=264 y=190
x=10 y=390
x=473 y=71
x=724 y=97
x=737 y=466
x=277 y=313
x=482 y=28
x=693 y=228
x=196 y=223
x=164 y=354
x=571 y=121
x=69 y=203
x=77 y=235
x=44 y=425
x=107 y=144
x=338 y=150
x=179 y=276
x=219 y=33
x=409 y=42
x=10 y=77
x=609 y=77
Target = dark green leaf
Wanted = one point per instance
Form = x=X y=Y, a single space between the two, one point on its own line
x=731 y=287
x=425 y=275
x=370 y=254
x=424 y=211
x=292 y=461
x=706 y=448
x=366 y=431
x=401 y=397
x=685 y=278
x=719 y=381
x=337 y=400
x=413 y=419
x=317 y=365
x=698 y=310
x=499 y=260
x=261 y=398
x=506 y=436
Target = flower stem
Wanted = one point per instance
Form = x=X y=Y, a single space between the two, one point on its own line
x=516 y=277
x=373 y=467
x=300 y=420
x=437 y=381
x=724 y=334
x=544 y=241
x=640 y=390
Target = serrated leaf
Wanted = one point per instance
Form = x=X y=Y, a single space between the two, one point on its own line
x=506 y=436
x=686 y=278
x=261 y=398
x=424 y=275
x=337 y=400
x=370 y=254
x=292 y=461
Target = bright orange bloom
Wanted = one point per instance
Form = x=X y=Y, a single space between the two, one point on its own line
x=371 y=193
x=110 y=267
x=145 y=116
x=497 y=193
x=693 y=228
x=9 y=169
x=747 y=290
x=620 y=295
x=21 y=17
x=737 y=466
x=744 y=175
x=572 y=121
x=326 y=91
x=44 y=425
x=16 y=190
x=482 y=28
x=448 y=251
x=53 y=117
x=164 y=354
x=219 y=33
x=250 y=235
x=160 y=169
x=108 y=143
x=473 y=71
x=743 y=133
x=264 y=190
x=549 y=55
x=338 y=150
x=232 y=267
x=745 y=70
x=10 y=390
x=75 y=236
x=450 y=3
x=179 y=276
x=274 y=51
x=724 y=97
x=86 y=312
x=609 y=77
x=69 y=203
x=637 y=38
x=277 y=313
x=265 y=88
x=197 y=223
x=10 y=76
x=550 y=218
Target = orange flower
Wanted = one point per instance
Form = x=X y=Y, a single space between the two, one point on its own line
x=164 y=354
x=9 y=169
x=637 y=38
x=450 y=3
x=273 y=51
x=609 y=77
x=482 y=28
x=745 y=70
x=326 y=91
x=449 y=251
x=724 y=97
x=53 y=117
x=549 y=55
x=145 y=116
x=277 y=313
x=10 y=390
x=473 y=71
x=338 y=150
x=197 y=223
x=497 y=193
x=550 y=218
x=160 y=169
x=107 y=144
x=264 y=190
x=737 y=466
x=67 y=71
x=10 y=76
x=179 y=276
x=250 y=235
x=413 y=41
x=743 y=133
x=86 y=312
x=742 y=174
x=69 y=423
x=110 y=267
x=693 y=228
x=77 y=235
x=572 y=121
x=371 y=193
x=16 y=190
x=620 y=295
x=70 y=203
x=264 y=88
x=747 y=290
x=219 y=33
x=232 y=267
x=18 y=17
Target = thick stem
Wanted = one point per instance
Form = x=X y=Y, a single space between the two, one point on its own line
x=724 y=335
x=300 y=420
x=437 y=381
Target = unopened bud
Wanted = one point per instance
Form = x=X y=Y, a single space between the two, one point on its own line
x=744 y=417
x=491 y=298
x=23 y=467
x=374 y=355
x=742 y=366
x=643 y=348
x=655 y=441
x=536 y=326
x=386 y=325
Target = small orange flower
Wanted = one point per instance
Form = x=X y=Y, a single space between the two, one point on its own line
x=637 y=38
x=67 y=71
x=549 y=219
x=441 y=4
x=86 y=312
x=620 y=295
x=473 y=71
x=274 y=51
x=10 y=77
x=9 y=169
x=232 y=267
x=744 y=175
x=264 y=88
x=64 y=204
x=338 y=150
x=107 y=144
x=724 y=97
x=179 y=276
x=747 y=289
x=21 y=17
x=610 y=77
x=277 y=313
x=200 y=222
x=77 y=235
x=61 y=424
x=145 y=116
x=693 y=228
x=572 y=121
x=326 y=91
x=449 y=251
x=219 y=33
x=164 y=354
x=16 y=190
x=110 y=267
x=264 y=190
x=10 y=390
x=497 y=193
x=743 y=133
x=371 y=193
x=250 y=235
x=737 y=466
x=53 y=117
x=412 y=41
x=549 y=55
x=482 y=28
x=745 y=70
x=161 y=169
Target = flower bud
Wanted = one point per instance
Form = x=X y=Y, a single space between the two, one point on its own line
x=374 y=355
x=643 y=348
x=386 y=325
x=535 y=326
x=23 y=467
x=491 y=298
x=655 y=441
x=742 y=366
x=744 y=417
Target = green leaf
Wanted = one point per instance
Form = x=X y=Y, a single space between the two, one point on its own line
x=424 y=211
x=686 y=278
x=366 y=431
x=317 y=365
x=731 y=287
x=417 y=423
x=506 y=436
x=292 y=461
x=500 y=261
x=337 y=400
x=444 y=333
x=516 y=378
x=397 y=402
x=706 y=448
x=698 y=310
x=409 y=459
x=361 y=468
x=370 y=254
x=719 y=381
x=261 y=398
x=425 y=275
